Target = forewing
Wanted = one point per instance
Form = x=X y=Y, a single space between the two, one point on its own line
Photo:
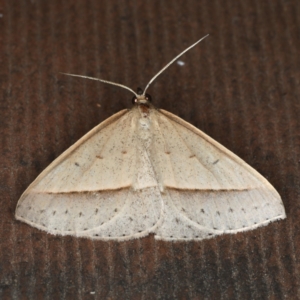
x=102 y=159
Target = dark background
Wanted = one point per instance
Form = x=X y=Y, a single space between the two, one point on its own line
x=240 y=86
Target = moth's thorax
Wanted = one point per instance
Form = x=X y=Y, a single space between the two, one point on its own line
x=144 y=123
x=144 y=110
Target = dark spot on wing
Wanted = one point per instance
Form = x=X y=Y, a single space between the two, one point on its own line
x=77 y=164
x=215 y=162
x=99 y=156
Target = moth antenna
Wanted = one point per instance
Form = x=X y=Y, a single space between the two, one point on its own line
x=104 y=81
x=165 y=67
x=129 y=89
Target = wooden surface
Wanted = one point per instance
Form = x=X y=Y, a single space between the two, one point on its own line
x=240 y=86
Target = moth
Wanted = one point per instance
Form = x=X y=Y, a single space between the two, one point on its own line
x=145 y=170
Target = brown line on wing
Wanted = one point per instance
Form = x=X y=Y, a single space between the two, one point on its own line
x=86 y=192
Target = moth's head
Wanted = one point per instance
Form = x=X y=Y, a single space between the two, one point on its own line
x=140 y=98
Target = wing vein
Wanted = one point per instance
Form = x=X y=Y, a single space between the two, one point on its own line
x=178 y=134
x=169 y=159
x=104 y=144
